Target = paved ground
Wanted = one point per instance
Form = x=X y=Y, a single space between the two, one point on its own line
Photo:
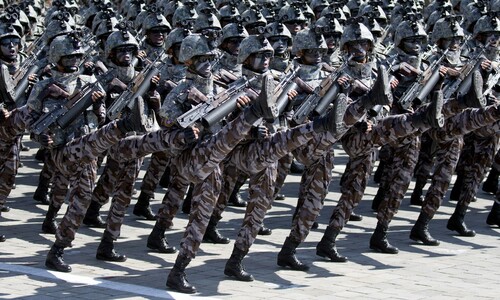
x=458 y=268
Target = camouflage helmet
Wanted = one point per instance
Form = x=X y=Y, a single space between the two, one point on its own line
x=59 y=15
x=374 y=12
x=290 y=13
x=309 y=38
x=355 y=31
x=253 y=17
x=120 y=37
x=318 y=5
x=487 y=23
x=169 y=8
x=155 y=20
x=332 y=23
x=206 y=21
x=106 y=27
x=304 y=8
x=354 y=6
x=495 y=5
x=407 y=29
x=334 y=11
x=176 y=36
x=229 y=13
x=6 y=27
x=106 y=13
x=438 y=13
x=184 y=16
x=233 y=30
x=447 y=27
x=277 y=29
x=206 y=7
x=474 y=11
x=253 y=44
x=56 y=28
x=195 y=45
x=64 y=45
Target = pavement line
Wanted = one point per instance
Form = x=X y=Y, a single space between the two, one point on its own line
x=101 y=283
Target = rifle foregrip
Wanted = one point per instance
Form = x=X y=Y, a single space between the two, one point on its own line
x=328 y=98
x=221 y=111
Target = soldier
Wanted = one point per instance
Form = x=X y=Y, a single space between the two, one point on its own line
x=173 y=71
x=203 y=165
x=74 y=148
x=484 y=141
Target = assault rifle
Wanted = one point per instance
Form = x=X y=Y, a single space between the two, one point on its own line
x=423 y=85
x=464 y=80
x=286 y=84
x=28 y=67
x=324 y=94
x=63 y=116
x=213 y=110
x=136 y=88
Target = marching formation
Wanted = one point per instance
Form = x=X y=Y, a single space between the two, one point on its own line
x=225 y=92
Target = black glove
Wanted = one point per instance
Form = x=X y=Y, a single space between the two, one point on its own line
x=189 y=135
x=259 y=132
x=45 y=140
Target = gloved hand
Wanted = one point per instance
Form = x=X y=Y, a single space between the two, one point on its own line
x=46 y=140
x=55 y=91
x=191 y=134
x=259 y=132
x=155 y=81
x=4 y=114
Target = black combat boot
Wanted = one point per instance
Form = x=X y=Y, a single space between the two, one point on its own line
x=265 y=104
x=429 y=116
x=296 y=168
x=379 y=242
x=264 y=230
x=157 y=241
x=41 y=154
x=420 y=231
x=49 y=224
x=92 y=217
x=106 y=250
x=417 y=197
x=326 y=247
x=355 y=217
x=212 y=235
x=457 y=187
x=494 y=215
x=379 y=197
x=287 y=258
x=42 y=191
x=2 y=238
x=142 y=208
x=138 y=120
x=474 y=96
x=234 y=267
x=236 y=199
x=377 y=177
x=165 y=178
x=381 y=93
x=55 y=259
x=491 y=183
x=456 y=222
x=333 y=121
x=177 y=277
x=186 y=204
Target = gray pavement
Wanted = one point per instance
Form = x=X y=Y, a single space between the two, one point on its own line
x=459 y=268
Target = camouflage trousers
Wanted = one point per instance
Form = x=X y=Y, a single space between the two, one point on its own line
x=425 y=161
x=317 y=157
x=124 y=162
x=258 y=159
x=478 y=154
x=172 y=200
x=284 y=165
x=398 y=174
x=200 y=166
x=9 y=163
x=59 y=184
x=77 y=160
x=449 y=144
x=157 y=166
x=359 y=146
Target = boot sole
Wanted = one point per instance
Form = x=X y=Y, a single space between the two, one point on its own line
x=325 y=255
x=54 y=268
x=418 y=239
x=287 y=265
x=270 y=110
x=105 y=258
x=239 y=278
x=175 y=288
x=378 y=249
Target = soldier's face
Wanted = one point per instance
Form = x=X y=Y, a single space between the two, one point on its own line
x=295 y=26
x=313 y=56
x=453 y=44
x=332 y=40
x=232 y=45
x=9 y=47
x=124 y=55
x=259 y=62
x=71 y=62
x=156 y=37
x=279 y=44
x=359 y=50
x=202 y=65
x=412 y=45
